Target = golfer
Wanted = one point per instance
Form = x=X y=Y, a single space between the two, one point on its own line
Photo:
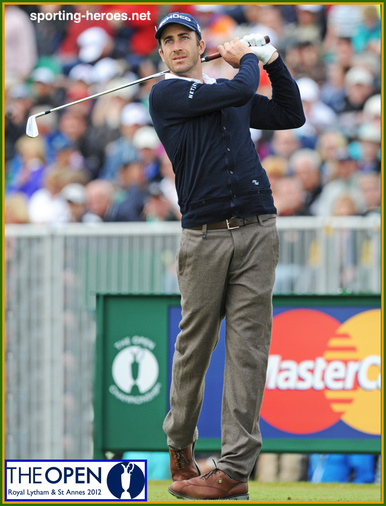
x=229 y=246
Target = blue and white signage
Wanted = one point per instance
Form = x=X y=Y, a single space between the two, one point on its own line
x=78 y=480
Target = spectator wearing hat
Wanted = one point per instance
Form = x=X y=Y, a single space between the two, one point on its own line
x=369 y=140
x=319 y=116
x=122 y=151
x=84 y=19
x=359 y=86
x=94 y=44
x=44 y=89
x=147 y=145
x=75 y=196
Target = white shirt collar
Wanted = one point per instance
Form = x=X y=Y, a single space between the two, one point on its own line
x=207 y=79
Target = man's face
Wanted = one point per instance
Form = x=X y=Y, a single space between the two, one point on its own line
x=180 y=49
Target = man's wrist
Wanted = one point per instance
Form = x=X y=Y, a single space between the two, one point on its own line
x=274 y=57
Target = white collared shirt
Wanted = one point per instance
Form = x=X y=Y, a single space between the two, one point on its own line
x=207 y=79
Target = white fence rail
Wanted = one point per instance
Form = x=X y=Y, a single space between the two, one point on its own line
x=52 y=275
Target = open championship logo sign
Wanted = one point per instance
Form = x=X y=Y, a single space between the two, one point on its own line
x=74 y=481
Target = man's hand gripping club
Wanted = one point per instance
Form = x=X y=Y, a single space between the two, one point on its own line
x=233 y=51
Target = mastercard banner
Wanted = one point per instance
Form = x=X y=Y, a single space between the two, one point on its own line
x=324 y=374
x=323 y=387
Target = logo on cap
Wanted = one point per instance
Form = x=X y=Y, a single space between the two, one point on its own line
x=181 y=19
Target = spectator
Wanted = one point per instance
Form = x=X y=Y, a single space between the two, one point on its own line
x=337 y=468
x=20 y=51
x=289 y=197
x=284 y=143
x=99 y=198
x=281 y=467
x=44 y=87
x=167 y=183
x=372 y=110
x=328 y=144
x=370 y=186
x=345 y=183
x=359 y=86
x=332 y=90
x=27 y=167
x=74 y=125
x=147 y=145
x=369 y=139
x=305 y=165
x=122 y=151
x=309 y=23
x=157 y=206
x=75 y=196
x=46 y=205
x=276 y=168
x=50 y=32
x=94 y=44
x=343 y=22
x=130 y=206
x=368 y=34
x=17 y=103
x=319 y=116
x=16 y=209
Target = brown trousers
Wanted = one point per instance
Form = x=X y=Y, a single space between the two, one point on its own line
x=229 y=273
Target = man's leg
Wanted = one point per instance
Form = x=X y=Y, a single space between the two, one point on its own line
x=202 y=266
x=248 y=336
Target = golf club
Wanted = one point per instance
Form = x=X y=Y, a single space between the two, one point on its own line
x=32 y=127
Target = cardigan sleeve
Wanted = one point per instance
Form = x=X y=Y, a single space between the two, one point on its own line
x=179 y=98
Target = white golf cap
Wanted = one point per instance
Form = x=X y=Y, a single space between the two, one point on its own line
x=358 y=75
x=43 y=75
x=373 y=107
x=369 y=132
x=105 y=69
x=91 y=43
x=309 y=89
x=146 y=137
x=309 y=8
x=75 y=193
x=82 y=72
x=134 y=114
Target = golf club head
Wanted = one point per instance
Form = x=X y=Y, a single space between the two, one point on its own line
x=32 y=127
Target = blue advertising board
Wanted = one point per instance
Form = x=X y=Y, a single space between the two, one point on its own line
x=323 y=382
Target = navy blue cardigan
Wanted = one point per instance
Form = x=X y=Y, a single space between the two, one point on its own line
x=204 y=129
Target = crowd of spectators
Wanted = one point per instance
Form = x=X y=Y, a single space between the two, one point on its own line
x=101 y=161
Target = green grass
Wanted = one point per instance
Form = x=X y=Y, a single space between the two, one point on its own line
x=286 y=492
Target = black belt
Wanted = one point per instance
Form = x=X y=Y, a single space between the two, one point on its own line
x=236 y=222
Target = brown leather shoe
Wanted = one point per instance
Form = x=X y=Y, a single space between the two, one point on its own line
x=182 y=463
x=213 y=485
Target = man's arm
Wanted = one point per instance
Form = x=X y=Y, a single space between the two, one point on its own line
x=285 y=109
x=178 y=98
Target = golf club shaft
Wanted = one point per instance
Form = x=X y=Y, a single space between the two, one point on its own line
x=32 y=130
x=117 y=88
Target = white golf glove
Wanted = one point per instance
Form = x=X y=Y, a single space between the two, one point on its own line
x=257 y=43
